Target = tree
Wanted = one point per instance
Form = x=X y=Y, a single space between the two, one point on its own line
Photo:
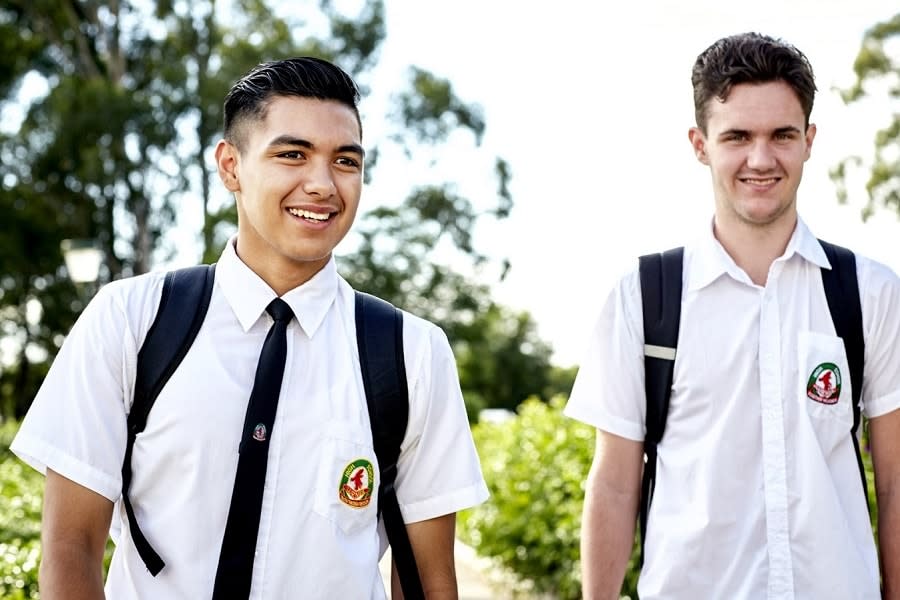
x=94 y=157
x=878 y=66
x=119 y=143
x=28 y=251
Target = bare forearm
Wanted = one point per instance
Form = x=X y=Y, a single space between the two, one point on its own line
x=446 y=593
x=606 y=542
x=610 y=508
x=74 y=530
x=68 y=573
x=884 y=435
x=432 y=543
x=889 y=542
x=440 y=585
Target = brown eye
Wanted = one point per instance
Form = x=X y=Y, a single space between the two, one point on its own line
x=348 y=161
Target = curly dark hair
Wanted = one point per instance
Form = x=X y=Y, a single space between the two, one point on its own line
x=749 y=58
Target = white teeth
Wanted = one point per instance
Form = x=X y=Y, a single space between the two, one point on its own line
x=761 y=181
x=298 y=212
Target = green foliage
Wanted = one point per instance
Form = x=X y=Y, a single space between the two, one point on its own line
x=120 y=140
x=560 y=381
x=432 y=111
x=21 y=490
x=877 y=68
x=501 y=359
x=8 y=429
x=535 y=466
x=19 y=570
x=21 y=500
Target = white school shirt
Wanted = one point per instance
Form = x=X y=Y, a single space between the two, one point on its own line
x=758 y=492
x=313 y=542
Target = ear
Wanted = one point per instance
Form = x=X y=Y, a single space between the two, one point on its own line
x=698 y=142
x=810 y=136
x=227 y=161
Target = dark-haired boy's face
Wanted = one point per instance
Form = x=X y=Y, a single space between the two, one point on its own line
x=297 y=181
x=755 y=144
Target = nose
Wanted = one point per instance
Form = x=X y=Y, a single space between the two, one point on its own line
x=318 y=180
x=761 y=157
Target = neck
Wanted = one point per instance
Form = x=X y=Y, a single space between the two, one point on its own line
x=754 y=247
x=280 y=273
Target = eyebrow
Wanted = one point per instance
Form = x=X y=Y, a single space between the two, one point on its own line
x=288 y=140
x=745 y=132
x=730 y=132
x=788 y=129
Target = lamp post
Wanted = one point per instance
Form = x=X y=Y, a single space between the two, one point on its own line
x=83 y=259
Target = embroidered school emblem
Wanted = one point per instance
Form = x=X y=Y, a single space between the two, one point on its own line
x=259 y=433
x=357 y=483
x=824 y=384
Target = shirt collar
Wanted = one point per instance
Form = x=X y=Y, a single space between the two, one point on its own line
x=709 y=260
x=804 y=243
x=248 y=295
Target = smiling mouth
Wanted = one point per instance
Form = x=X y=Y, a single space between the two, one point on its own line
x=310 y=215
x=760 y=180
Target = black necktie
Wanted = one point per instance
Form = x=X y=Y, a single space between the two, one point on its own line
x=239 y=544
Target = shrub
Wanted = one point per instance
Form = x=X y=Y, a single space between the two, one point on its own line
x=21 y=500
x=18 y=570
x=535 y=465
x=21 y=491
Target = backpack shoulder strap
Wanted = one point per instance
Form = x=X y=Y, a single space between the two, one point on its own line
x=661 y=277
x=379 y=338
x=182 y=308
x=842 y=293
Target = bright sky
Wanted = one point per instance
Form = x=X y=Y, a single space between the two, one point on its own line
x=591 y=107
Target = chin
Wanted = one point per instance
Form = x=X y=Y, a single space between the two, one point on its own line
x=763 y=213
x=309 y=258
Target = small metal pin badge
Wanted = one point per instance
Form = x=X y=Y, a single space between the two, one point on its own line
x=259 y=432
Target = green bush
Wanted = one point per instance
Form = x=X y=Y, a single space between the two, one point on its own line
x=21 y=499
x=21 y=491
x=8 y=429
x=535 y=466
x=18 y=570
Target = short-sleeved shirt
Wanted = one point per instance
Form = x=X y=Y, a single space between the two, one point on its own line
x=758 y=491
x=311 y=537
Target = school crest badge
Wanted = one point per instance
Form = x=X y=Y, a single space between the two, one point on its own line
x=824 y=384
x=357 y=483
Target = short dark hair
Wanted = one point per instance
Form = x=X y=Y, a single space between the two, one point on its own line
x=749 y=58
x=304 y=76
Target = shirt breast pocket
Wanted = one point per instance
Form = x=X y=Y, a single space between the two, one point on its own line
x=824 y=386
x=346 y=489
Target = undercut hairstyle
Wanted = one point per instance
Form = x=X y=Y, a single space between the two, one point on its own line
x=305 y=76
x=749 y=58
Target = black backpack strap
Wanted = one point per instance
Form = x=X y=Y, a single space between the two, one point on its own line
x=842 y=293
x=379 y=337
x=182 y=308
x=661 y=283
